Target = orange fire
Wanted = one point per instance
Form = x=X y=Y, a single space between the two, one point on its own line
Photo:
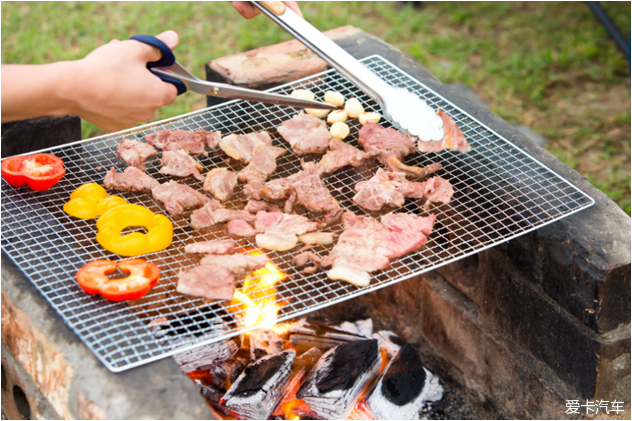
x=257 y=298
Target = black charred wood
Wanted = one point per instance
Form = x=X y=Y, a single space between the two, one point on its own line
x=260 y=388
x=264 y=342
x=339 y=376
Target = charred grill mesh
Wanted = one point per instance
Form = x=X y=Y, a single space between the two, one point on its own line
x=501 y=193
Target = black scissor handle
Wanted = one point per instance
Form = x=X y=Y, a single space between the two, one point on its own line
x=167 y=59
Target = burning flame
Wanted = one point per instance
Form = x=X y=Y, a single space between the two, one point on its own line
x=258 y=296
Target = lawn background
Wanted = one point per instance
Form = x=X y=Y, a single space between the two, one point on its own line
x=549 y=66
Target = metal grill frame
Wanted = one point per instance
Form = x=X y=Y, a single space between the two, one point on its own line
x=500 y=193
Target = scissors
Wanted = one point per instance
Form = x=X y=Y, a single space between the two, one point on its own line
x=170 y=71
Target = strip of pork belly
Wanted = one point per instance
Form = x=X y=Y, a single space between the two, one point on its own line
x=280 y=231
x=240 y=228
x=453 y=137
x=367 y=245
x=193 y=143
x=304 y=259
x=211 y=247
x=132 y=179
x=220 y=182
x=238 y=264
x=242 y=146
x=215 y=282
x=177 y=197
x=134 y=153
x=391 y=189
x=262 y=164
x=180 y=164
x=213 y=213
x=341 y=154
x=306 y=134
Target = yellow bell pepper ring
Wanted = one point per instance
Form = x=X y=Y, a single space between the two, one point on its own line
x=114 y=221
x=91 y=200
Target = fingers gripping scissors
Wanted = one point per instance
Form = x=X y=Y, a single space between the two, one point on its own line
x=170 y=71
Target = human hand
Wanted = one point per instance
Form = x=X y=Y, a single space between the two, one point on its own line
x=248 y=11
x=114 y=89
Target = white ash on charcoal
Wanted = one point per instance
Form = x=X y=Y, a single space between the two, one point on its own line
x=403 y=387
x=389 y=342
x=205 y=356
x=339 y=376
x=258 y=391
x=264 y=342
x=300 y=369
x=359 y=327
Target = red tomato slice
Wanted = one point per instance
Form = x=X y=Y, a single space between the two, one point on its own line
x=38 y=171
x=142 y=277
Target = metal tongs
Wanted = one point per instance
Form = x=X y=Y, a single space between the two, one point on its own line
x=403 y=108
x=170 y=71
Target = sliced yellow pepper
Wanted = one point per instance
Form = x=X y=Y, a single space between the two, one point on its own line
x=91 y=200
x=114 y=221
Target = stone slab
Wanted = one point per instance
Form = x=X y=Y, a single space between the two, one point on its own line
x=32 y=134
x=270 y=66
x=158 y=390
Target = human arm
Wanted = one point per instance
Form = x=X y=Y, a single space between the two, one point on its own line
x=111 y=87
x=249 y=11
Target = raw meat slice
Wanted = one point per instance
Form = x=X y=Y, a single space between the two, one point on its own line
x=238 y=264
x=134 y=153
x=306 y=134
x=341 y=154
x=177 y=197
x=255 y=206
x=391 y=189
x=453 y=137
x=212 y=214
x=214 y=282
x=132 y=179
x=220 y=182
x=276 y=241
x=240 y=228
x=367 y=245
x=262 y=164
x=180 y=164
x=211 y=247
x=193 y=143
x=241 y=147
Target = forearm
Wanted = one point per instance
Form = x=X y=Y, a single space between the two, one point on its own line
x=38 y=90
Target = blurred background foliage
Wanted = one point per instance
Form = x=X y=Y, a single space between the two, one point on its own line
x=547 y=65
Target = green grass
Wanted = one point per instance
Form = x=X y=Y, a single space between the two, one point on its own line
x=549 y=66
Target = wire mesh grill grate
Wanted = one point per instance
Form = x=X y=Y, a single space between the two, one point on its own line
x=500 y=193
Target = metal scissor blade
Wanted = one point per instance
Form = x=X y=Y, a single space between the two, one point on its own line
x=223 y=90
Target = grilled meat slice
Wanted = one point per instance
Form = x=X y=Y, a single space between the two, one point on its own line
x=453 y=137
x=367 y=245
x=306 y=134
x=212 y=213
x=262 y=164
x=238 y=264
x=391 y=189
x=375 y=138
x=281 y=230
x=394 y=164
x=180 y=164
x=240 y=228
x=341 y=154
x=220 y=182
x=241 y=147
x=308 y=260
x=255 y=206
x=177 y=197
x=193 y=143
x=134 y=153
x=214 y=282
x=132 y=179
x=211 y=247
